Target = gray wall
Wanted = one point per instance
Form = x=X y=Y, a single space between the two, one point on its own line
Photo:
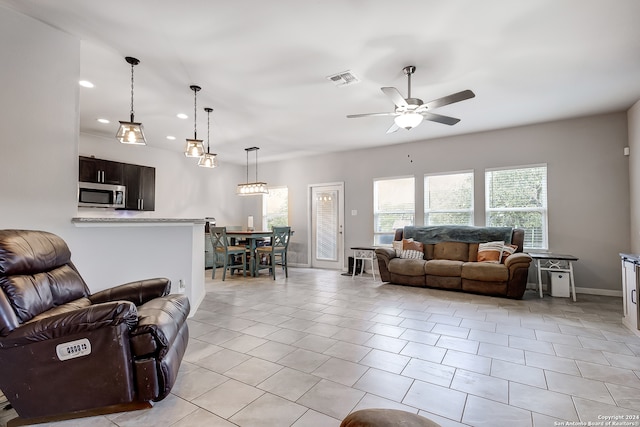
x=588 y=185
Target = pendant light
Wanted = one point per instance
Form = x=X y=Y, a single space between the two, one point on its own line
x=194 y=146
x=208 y=160
x=252 y=188
x=131 y=132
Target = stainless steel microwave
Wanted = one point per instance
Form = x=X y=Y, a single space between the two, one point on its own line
x=93 y=195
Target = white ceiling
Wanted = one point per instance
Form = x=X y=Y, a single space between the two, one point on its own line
x=262 y=66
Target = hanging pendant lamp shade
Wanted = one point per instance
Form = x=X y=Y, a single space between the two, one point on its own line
x=194 y=147
x=252 y=188
x=131 y=132
x=208 y=160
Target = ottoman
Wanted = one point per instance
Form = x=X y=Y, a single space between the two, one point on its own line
x=386 y=418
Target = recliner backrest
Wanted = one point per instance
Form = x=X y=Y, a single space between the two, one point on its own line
x=36 y=274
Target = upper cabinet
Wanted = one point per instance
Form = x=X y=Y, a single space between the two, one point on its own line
x=140 y=181
x=100 y=171
x=141 y=187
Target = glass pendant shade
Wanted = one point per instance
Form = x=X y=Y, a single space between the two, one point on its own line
x=131 y=132
x=252 y=189
x=208 y=160
x=194 y=148
x=408 y=120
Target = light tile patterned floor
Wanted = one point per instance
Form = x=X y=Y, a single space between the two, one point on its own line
x=308 y=350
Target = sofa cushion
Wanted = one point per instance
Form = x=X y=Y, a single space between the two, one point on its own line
x=457 y=251
x=443 y=267
x=407 y=267
x=485 y=271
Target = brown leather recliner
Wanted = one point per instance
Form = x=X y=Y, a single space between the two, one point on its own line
x=65 y=351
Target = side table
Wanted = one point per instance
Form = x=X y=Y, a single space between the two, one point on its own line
x=365 y=254
x=547 y=261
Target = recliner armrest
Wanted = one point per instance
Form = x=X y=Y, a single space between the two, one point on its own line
x=138 y=292
x=82 y=320
x=387 y=253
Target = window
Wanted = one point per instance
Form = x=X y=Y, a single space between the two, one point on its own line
x=275 y=208
x=518 y=198
x=393 y=207
x=448 y=199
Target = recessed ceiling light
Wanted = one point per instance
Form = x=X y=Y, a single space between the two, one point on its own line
x=85 y=83
x=182 y=116
x=170 y=137
x=104 y=121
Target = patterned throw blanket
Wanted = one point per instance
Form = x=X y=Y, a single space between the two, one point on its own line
x=457 y=233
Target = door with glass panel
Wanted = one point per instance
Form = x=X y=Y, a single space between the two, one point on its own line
x=327 y=219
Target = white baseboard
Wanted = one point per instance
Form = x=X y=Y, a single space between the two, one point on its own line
x=579 y=290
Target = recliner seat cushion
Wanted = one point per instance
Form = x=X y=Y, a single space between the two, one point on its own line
x=485 y=272
x=443 y=267
x=407 y=267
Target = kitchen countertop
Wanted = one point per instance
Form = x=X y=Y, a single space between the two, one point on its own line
x=140 y=222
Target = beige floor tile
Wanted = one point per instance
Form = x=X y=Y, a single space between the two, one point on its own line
x=452 y=331
x=272 y=351
x=580 y=353
x=347 y=351
x=459 y=344
x=421 y=337
x=418 y=325
x=228 y=398
x=470 y=362
x=514 y=330
x=622 y=360
x=198 y=328
x=518 y=373
x=424 y=352
x=531 y=345
x=557 y=338
x=315 y=343
x=219 y=336
x=303 y=360
x=332 y=399
x=243 y=343
x=489 y=337
x=386 y=330
x=436 y=399
x=166 y=412
x=384 y=384
x=581 y=387
x=323 y=329
x=380 y=342
x=609 y=374
x=260 y=330
x=352 y=336
x=340 y=371
x=370 y=401
x=286 y=336
x=543 y=401
x=626 y=397
x=289 y=383
x=481 y=412
x=592 y=411
x=201 y=418
x=479 y=325
x=385 y=361
x=605 y=345
x=197 y=349
x=268 y=411
x=429 y=372
x=481 y=385
x=501 y=352
x=196 y=382
x=313 y=418
x=253 y=371
x=552 y=363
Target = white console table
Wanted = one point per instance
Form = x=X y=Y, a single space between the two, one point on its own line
x=365 y=254
x=546 y=261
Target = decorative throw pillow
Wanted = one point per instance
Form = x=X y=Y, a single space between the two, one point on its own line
x=397 y=246
x=508 y=250
x=490 y=252
x=412 y=249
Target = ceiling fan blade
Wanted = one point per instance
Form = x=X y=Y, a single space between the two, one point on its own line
x=440 y=119
x=394 y=127
x=395 y=96
x=355 y=116
x=456 y=97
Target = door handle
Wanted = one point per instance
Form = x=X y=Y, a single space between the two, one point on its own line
x=633 y=295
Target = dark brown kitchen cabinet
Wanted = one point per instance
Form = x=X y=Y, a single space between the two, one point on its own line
x=141 y=187
x=100 y=171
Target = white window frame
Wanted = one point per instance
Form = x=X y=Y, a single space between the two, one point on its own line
x=543 y=210
x=265 y=215
x=428 y=211
x=378 y=235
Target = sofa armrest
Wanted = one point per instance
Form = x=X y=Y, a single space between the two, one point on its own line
x=518 y=266
x=73 y=322
x=384 y=255
x=138 y=292
x=518 y=260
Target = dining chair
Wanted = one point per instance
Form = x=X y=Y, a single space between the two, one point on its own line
x=225 y=254
x=277 y=251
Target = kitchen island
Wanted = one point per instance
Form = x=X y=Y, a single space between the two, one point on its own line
x=113 y=250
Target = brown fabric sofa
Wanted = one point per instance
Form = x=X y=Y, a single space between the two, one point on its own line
x=450 y=261
x=65 y=352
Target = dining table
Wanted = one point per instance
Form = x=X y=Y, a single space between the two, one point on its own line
x=252 y=237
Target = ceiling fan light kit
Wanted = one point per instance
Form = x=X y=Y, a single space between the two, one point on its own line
x=410 y=112
x=131 y=132
x=194 y=147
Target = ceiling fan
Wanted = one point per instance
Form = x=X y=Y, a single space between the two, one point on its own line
x=410 y=112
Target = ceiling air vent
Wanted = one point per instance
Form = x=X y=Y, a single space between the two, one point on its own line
x=344 y=78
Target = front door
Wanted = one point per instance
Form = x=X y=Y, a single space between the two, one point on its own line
x=327 y=219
